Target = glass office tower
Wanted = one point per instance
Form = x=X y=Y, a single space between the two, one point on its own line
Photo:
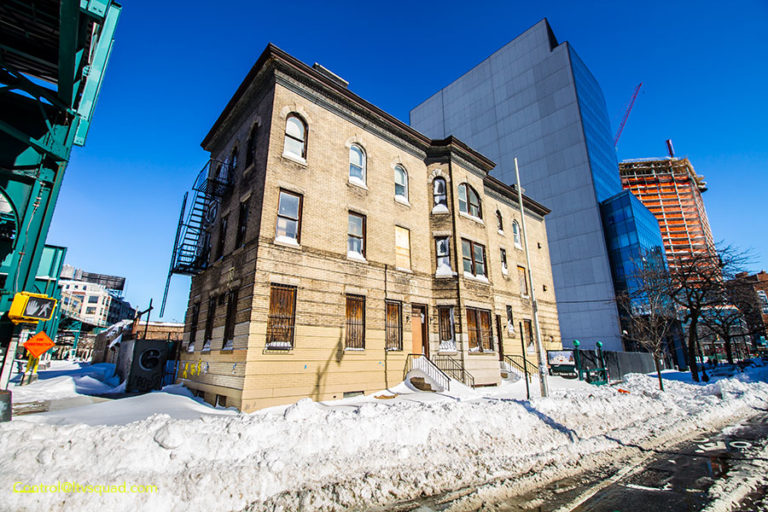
x=535 y=99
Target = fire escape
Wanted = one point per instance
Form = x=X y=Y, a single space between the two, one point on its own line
x=192 y=247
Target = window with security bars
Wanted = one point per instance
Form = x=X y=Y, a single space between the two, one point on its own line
x=480 y=330
x=193 y=326
x=394 y=325
x=445 y=326
x=355 y=322
x=229 y=325
x=282 y=317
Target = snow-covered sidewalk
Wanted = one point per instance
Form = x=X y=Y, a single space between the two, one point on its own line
x=351 y=453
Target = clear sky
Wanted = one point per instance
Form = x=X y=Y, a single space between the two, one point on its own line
x=704 y=68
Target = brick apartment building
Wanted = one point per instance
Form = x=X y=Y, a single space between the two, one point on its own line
x=334 y=240
x=750 y=294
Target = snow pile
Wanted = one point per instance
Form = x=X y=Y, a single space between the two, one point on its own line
x=354 y=453
x=68 y=380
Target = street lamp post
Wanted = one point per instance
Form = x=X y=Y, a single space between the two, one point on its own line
x=539 y=345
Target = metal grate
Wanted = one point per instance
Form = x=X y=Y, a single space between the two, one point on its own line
x=282 y=317
x=355 y=322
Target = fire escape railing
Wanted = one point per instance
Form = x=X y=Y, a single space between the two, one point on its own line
x=192 y=247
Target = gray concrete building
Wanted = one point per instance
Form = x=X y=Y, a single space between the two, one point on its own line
x=536 y=100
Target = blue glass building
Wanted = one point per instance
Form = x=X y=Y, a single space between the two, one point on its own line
x=536 y=100
x=632 y=233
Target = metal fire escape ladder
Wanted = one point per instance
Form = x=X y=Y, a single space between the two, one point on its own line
x=191 y=249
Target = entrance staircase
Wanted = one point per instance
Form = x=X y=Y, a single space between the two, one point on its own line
x=435 y=374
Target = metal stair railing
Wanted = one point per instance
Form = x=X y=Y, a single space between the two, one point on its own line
x=423 y=363
x=522 y=366
x=455 y=370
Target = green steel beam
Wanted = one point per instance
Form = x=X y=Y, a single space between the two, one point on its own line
x=93 y=79
x=69 y=49
x=95 y=8
x=55 y=150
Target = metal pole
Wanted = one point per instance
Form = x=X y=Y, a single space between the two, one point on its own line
x=539 y=344
x=525 y=364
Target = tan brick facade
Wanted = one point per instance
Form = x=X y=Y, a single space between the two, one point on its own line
x=253 y=375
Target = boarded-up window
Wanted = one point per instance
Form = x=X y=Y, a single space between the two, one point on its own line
x=394 y=325
x=523 y=281
x=222 y=237
x=209 y=323
x=193 y=326
x=242 y=224
x=282 y=316
x=229 y=326
x=402 y=247
x=480 y=330
x=527 y=332
x=355 y=322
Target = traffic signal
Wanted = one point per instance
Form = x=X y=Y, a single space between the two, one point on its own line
x=31 y=308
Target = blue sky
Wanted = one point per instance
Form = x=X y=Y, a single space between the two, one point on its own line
x=176 y=64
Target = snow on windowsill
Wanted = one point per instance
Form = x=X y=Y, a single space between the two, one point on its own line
x=440 y=208
x=402 y=200
x=191 y=348
x=444 y=271
x=482 y=279
x=501 y=232
x=504 y=271
x=518 y=246
x=286 y=240
x=472 y=217
x=279 y=345
x=354 y=180
x=353 y=349
x=294 y=158
x=229 y=345
x=356 y=256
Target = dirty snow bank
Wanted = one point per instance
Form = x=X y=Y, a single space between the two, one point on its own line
x=317 y=456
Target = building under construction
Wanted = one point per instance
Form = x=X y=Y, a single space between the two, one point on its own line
x=671 y=190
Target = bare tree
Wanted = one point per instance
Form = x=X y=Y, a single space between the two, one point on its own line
x=724 y=321
x=647 y=309
x=696 y=284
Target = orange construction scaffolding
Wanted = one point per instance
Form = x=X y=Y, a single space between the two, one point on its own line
x=671 y=190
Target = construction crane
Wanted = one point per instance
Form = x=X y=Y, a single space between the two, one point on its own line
x=626 y=115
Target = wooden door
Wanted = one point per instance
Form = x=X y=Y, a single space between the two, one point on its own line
x=498 y=333
x=418 y=330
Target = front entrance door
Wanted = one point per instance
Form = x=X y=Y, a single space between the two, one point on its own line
x=419 y=329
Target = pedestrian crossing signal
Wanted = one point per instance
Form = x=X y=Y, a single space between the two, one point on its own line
x=31 y=308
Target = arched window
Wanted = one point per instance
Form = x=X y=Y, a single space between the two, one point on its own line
x=250 y=149
x=516 y=234
x=469 y=202
x=357 y=163
x=233 y=160
x=499 y=221
x=401 y=182
x=439 y=192
x=295 y=136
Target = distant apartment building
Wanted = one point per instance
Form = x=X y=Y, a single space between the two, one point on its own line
x=329 y=242
x=671 y=190
x=96 y=299
x=750 y=294
x=535 y=99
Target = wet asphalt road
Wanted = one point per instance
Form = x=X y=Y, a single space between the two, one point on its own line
x=674 y=479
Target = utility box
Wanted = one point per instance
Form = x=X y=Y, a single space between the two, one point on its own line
x=141 y=364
